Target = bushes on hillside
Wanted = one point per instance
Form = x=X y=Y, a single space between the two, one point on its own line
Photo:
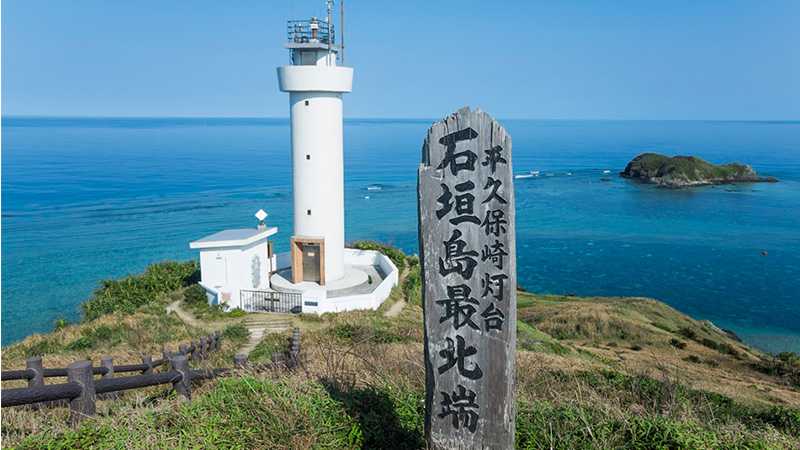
x=412 y=284
x=129 y=293
x=195 y=295
x=396 y=255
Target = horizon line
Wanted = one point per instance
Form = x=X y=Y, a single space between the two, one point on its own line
x=581 y=119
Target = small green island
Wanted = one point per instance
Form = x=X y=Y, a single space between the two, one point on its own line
x=688 y=171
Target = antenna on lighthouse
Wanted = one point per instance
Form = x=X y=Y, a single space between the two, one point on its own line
x=341 y=30
x=329 y=4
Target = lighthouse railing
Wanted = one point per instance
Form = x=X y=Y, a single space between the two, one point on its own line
x=310 y=31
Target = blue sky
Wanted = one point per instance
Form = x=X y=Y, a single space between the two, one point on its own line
x=516 y=59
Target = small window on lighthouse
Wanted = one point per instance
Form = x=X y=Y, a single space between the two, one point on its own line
x=308 y=212
x=308 y=156
x=306 y=102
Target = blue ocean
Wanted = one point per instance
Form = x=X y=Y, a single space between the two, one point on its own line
x=88 y=199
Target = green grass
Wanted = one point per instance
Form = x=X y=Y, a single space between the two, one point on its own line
x=134 y=291
x=567 y=396
x=396 y=255
x=247 y=412
x=271 y=343
x=196 y=300
x=237 y=413
x=529 y=338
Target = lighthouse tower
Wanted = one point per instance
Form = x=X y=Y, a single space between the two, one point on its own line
x=315 y=85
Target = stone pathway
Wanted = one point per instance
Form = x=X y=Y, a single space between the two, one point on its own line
x=187 y=317
x=257 y=324
x=398 y=306
x=395 y=309
x=260 y=324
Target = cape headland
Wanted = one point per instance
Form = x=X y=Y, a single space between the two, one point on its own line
x=592 y=372
x=688 y=171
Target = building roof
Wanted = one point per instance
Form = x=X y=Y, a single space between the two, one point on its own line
x=238 y=237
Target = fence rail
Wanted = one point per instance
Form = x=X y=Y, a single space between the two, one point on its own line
x=81 y=389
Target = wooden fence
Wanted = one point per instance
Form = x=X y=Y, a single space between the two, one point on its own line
x=81 y=389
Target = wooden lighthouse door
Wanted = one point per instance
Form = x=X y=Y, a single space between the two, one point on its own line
x=308 y=260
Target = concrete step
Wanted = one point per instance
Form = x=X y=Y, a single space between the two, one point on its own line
x=257 y=323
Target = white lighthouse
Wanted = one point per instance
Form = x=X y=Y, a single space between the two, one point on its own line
x=318 y=274
x=315 y=84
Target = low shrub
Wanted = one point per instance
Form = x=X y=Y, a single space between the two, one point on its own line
x=236 y=332
x=195 y=295
x=43 y=347
x=105 y=335
x=129 y=293
x=60 y=323
x=236 y=312
x=412 y=286
x=396 y=255
x=677 y=343
x=693 y=359
x=271 y=343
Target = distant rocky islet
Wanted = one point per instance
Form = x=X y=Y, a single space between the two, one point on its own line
x=688 y=171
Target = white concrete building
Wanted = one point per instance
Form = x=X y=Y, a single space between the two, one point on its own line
x=318 y=274
x=235 y=261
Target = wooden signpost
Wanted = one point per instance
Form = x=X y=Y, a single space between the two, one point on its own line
x=468 y=253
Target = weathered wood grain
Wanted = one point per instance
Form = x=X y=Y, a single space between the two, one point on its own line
x=466 y=215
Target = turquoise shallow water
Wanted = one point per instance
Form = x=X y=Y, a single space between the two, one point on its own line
x=87 y=199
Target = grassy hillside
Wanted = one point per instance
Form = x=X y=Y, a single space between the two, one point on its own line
x=592 y=373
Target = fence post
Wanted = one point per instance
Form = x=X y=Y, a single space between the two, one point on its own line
x=204 y=343
x=35 y=363
x=83 y=406
x=108 y=363
x=240 y=360
x=183 y=387
x=184 y=349
x=148 y=361
x=215 y=341
x=294 y=348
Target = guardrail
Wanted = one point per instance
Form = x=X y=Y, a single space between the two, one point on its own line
x=307 y=31
x=271 y=301
x=82 y=390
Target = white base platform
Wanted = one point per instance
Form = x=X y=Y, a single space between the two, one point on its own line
x=353 y=277
x=368 y=281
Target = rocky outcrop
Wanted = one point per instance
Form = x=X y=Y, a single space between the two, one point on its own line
x=687 y=171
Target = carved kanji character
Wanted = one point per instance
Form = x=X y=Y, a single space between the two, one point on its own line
x=493 y=318
x=464 y=203
x=496 y=252
x=458 y=306
x=493 y=157
x=494 y=185
x=451 y=157
x=456 y=260
x=494 y=222
x=456 y=355
x=460 y=404
x=490 y=282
